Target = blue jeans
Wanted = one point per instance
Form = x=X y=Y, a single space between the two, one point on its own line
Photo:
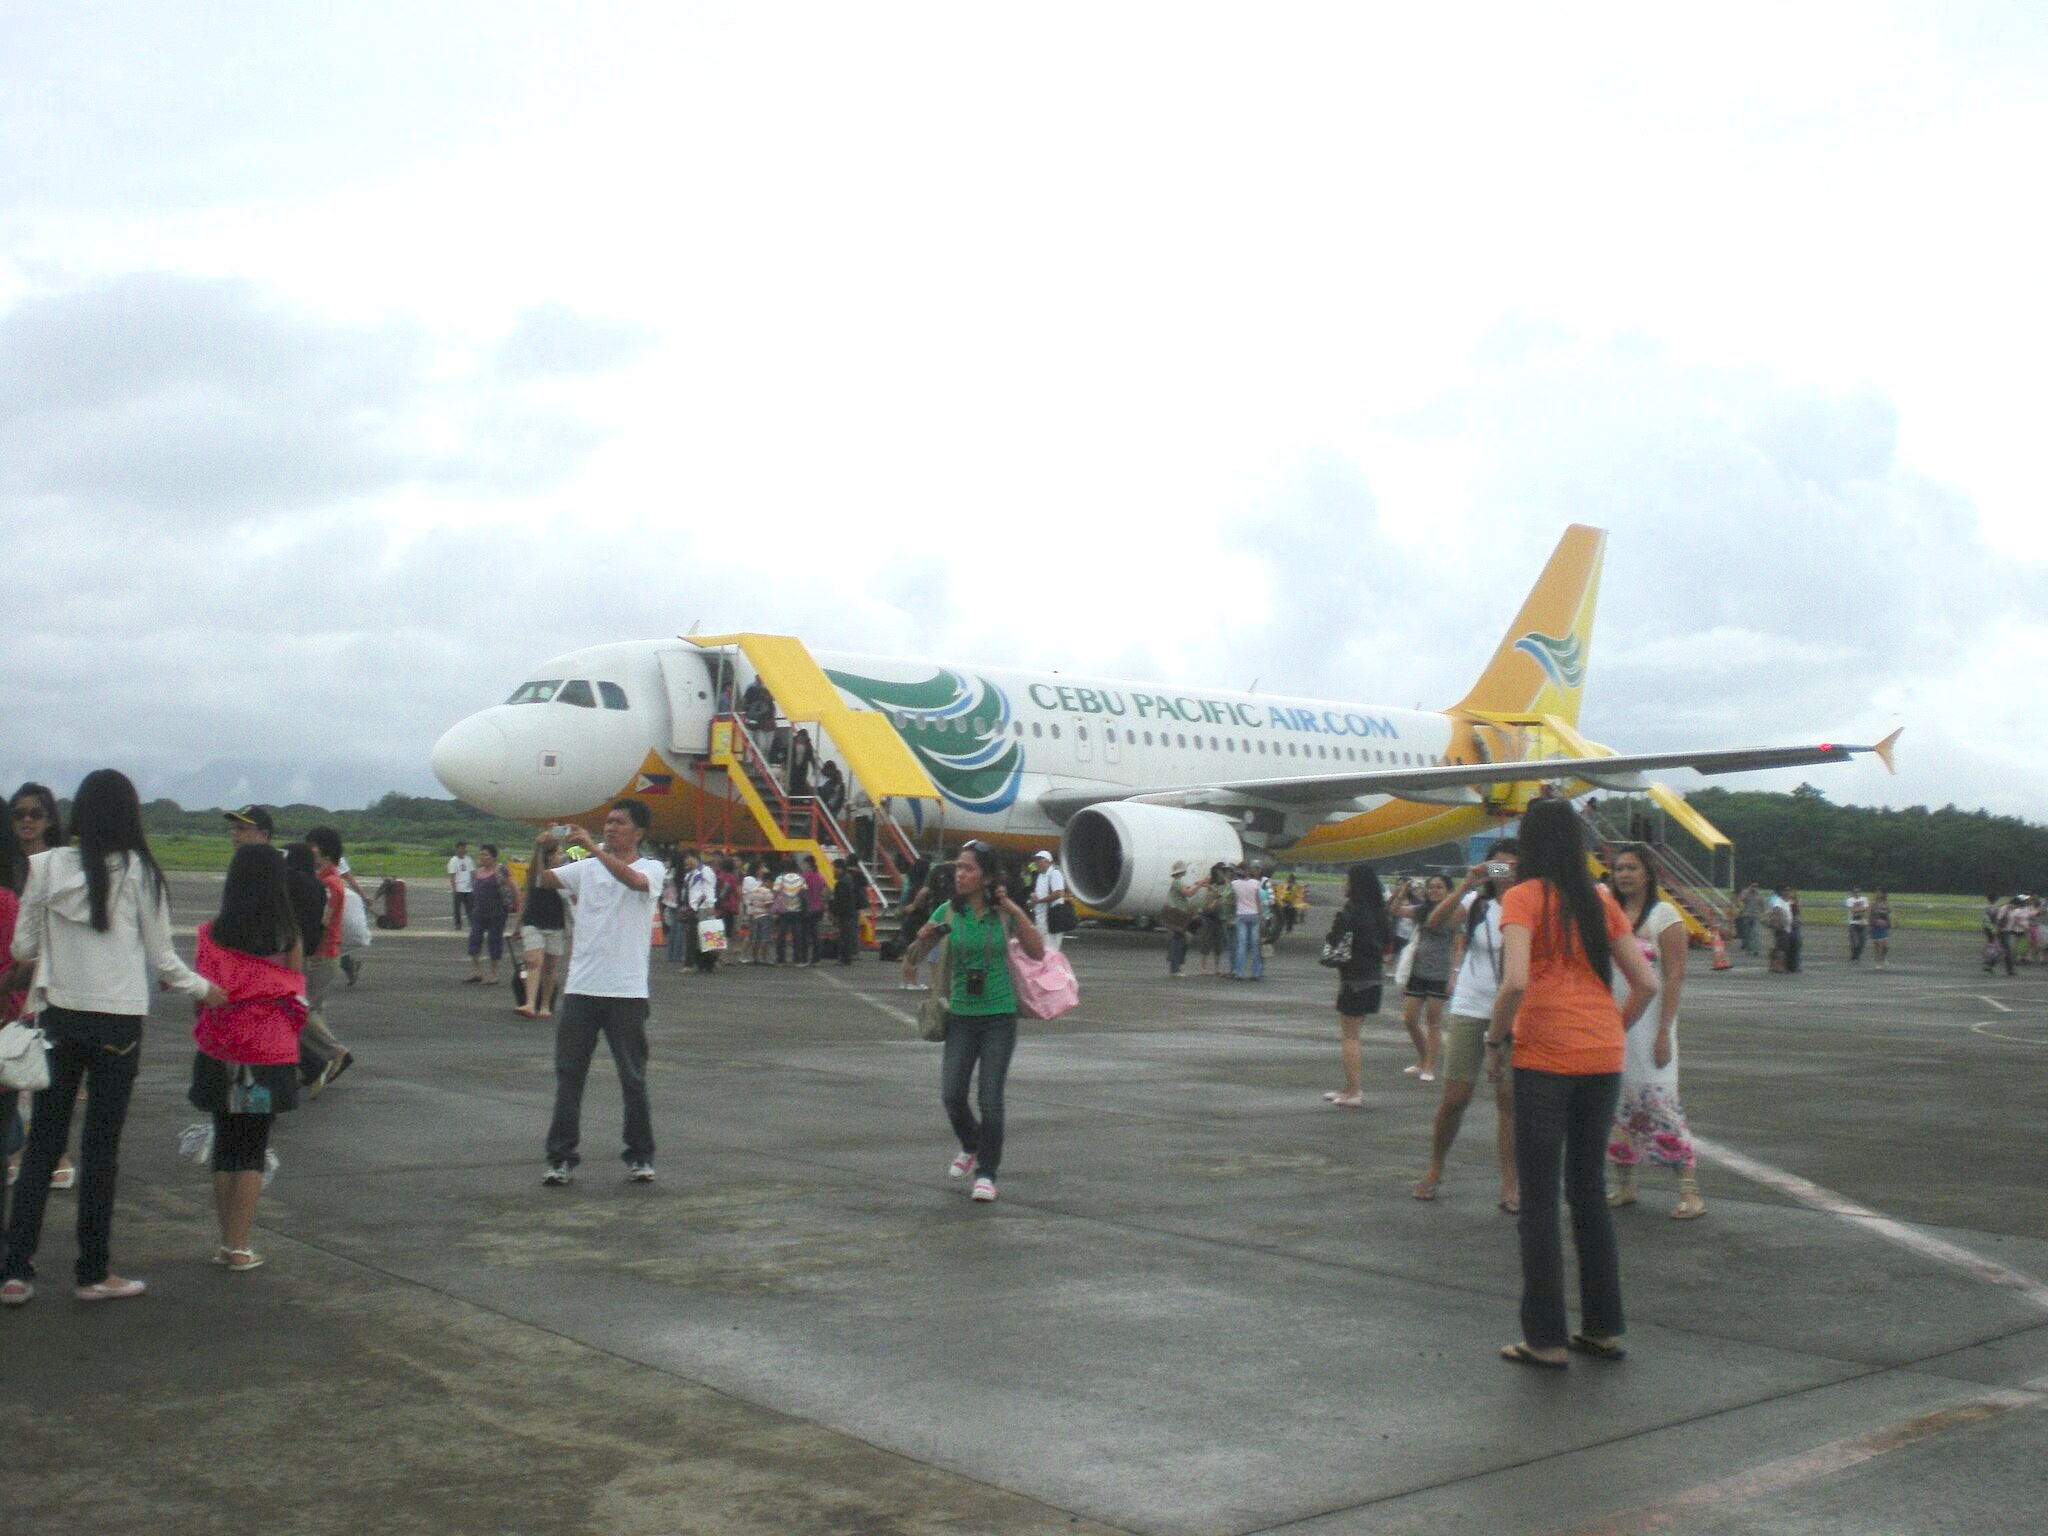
x=102 y=1050
x=1176 y=951
x=1246 y=963
x=990 y=1041
x=1566 y=1118
x=579 y=1020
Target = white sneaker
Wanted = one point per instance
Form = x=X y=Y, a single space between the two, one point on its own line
x=961 y=1166
x=984 y=1189
x=641 y=1172
x=558 y=1173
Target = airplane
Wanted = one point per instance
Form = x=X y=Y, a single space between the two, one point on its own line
x=1127 y=778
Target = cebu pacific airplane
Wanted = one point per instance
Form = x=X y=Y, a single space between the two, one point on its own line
x=1128 y=778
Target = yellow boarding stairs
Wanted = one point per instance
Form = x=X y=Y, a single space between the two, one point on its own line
x=875 y=757
x=1706 y=908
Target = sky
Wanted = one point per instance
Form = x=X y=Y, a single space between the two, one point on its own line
x=356 y=359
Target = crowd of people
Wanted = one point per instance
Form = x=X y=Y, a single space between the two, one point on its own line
x=1561 y=993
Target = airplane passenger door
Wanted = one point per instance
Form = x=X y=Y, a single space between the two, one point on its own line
x=1084 y=749
x=686 y=679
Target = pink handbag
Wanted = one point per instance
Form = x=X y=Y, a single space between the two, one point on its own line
x=1045 y=988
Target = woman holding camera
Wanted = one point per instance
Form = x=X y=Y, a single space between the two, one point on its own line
x=981 y=1008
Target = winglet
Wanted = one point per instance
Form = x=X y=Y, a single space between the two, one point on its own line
x=1884 y=750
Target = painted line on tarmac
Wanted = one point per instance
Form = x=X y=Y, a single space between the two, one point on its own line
x=1989 y=1033
x=1994 y=1002
x=1822 y=1461
x=888 y=1010
x=1816 y=1198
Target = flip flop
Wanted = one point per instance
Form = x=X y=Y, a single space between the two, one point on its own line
x=1425 y=1189
x=1580 y=1343
x=1519 y=1353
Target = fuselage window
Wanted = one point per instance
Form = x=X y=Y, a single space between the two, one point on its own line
x=613 y=695
x=1130 y=738
x=1229 y=745
x=1262 y=749
x=1055 y=733
x=1148 y=738
x=1184 y=741
x=981 y=727
x=1017 y=726
x=577 y=693
x=1037 y=728
x=1080 y=733
x=535 y=693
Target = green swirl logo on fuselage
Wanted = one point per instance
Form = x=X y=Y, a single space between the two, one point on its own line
x=1561 y=659
x=959 y=733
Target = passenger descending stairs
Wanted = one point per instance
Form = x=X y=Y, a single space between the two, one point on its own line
x=865 y=741
x=1706 y=908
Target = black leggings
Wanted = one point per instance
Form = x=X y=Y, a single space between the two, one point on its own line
x=239 y=1142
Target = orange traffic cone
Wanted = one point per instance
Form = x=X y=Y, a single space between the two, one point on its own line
x=1721 y=960
x=659 y=938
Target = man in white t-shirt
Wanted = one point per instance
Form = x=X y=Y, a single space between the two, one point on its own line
x=461 y=883
x=1476 y=928
x=1857 y=905
x=1048 y=885
x=615 y=891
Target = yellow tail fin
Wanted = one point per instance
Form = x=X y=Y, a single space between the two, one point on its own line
x=1540 y=666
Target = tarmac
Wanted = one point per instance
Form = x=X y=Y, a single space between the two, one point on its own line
x=1205 y=1302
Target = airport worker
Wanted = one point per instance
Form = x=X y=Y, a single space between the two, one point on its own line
x=245 y=1065
x=606 y=995
x=1361 y=923
x=1563 y=938
x=979 y=919
x=1472 y=913
x=1048 y=887
x=96 y=922
x=461 y=882
x=323 y=962
x=1649 y=1122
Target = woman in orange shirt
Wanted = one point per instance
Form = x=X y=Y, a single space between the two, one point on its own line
x=1562 y=935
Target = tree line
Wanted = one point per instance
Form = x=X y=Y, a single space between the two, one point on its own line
x=415 y=821
x=1802 y=838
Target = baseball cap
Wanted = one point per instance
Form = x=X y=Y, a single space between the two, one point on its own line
x=252 y=816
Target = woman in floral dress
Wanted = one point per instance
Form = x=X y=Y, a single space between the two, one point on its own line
x=1649 y=1124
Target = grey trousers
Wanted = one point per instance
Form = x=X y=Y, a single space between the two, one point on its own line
x=317 y=1038
x=579 y=1021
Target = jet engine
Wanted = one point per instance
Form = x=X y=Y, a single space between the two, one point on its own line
x=1119 y=857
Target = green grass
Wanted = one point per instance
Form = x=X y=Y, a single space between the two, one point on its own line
x=1936 y=914
x=371 y=862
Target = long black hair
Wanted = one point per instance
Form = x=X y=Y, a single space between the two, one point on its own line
x=106 y=819
x=256 y=914
x=1651 y=894
x=990 y=863
x=53 y=824
x=1553 y=850
x=13 y=857
x=1366 y=903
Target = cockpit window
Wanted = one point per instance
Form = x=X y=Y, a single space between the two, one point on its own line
x=535 y=693
x=613 y=695
x=577 y=693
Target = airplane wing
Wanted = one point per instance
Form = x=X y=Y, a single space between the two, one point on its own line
x=1457 y=783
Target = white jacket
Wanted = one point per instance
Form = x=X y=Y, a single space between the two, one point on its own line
x=93 y=972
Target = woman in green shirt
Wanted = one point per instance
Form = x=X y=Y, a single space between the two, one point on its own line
x=981 y=1007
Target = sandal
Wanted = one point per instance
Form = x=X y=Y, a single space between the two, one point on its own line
x=1519 y=1353
x=1426 y=1188
x=110 y=1289
x=240 y=1260
x=1346 y=1100
x=1599 y=1349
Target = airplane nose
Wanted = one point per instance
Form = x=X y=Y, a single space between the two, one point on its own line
x=470 y=759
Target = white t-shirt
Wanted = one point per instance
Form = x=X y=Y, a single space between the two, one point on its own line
x=462 y=870
x=1859 y=910
x=614 y=928
x=1479 y=976
x=1049 y=884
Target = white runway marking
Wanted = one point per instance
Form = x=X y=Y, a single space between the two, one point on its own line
x=1994 y=1002
x=1816 y=1198
x=887 y=1010
x=1989 y=1033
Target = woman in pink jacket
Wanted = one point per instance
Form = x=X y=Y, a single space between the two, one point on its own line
x=246 y=1070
